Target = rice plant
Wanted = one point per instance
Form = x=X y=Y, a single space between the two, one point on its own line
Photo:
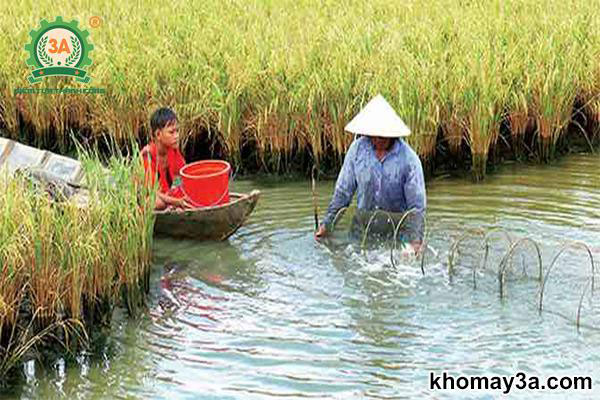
x=272 y=80
x=67 y=264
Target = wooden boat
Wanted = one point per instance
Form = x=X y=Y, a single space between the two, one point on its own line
x=208 y=223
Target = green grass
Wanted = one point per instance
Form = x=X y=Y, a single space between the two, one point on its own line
x=286 y=76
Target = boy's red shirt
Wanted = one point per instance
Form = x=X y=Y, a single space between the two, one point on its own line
x=175 y=162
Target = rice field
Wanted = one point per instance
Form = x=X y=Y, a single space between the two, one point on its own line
x=65 y=266
x=270 y=81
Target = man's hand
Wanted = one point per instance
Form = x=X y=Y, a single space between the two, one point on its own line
x=321 y=232
x=417 y=246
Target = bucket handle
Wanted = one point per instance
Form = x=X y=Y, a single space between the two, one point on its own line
x=216 y=202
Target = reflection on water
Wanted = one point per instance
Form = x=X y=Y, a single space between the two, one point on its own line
x=272 y=314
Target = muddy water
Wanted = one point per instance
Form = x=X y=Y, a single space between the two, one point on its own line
x=272 y=314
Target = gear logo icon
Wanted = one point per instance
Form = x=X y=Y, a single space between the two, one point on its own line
x=59 y=48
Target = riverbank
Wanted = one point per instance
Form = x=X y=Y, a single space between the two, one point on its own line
x=67 y=262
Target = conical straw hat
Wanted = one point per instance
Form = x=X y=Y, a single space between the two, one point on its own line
x=378 y=118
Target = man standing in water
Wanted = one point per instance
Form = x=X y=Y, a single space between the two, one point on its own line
x=382 y=169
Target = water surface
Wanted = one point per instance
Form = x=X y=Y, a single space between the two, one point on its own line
x=272 y=314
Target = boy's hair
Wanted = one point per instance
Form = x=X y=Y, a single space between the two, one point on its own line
x=161 y=118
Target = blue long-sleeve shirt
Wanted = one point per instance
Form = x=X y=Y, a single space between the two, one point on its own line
x=394 y=184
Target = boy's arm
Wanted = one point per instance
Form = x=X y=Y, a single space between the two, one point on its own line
x=173 y=201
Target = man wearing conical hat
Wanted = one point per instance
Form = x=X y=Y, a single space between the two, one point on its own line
x=382 y=169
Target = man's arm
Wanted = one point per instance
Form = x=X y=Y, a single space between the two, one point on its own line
x=414 y=192
x=344 y=190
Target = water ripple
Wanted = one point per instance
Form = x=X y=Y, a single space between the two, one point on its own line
x=271 y=314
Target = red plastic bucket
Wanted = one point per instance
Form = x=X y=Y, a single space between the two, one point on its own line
x=206 y=182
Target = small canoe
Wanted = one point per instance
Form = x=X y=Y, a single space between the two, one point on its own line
x=208 y=223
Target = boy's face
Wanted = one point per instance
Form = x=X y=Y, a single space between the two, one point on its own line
x=167 y=136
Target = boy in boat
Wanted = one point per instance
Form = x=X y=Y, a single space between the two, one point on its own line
x=163 y=158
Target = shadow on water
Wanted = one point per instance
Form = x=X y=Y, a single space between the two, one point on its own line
x=196 y=281
x=217 y=264
x=68 y=373
x=191 y=286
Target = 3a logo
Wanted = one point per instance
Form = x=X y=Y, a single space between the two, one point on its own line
x=59 y=49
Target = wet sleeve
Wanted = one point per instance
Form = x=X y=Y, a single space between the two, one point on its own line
x=344 y=187
x=414 y=193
